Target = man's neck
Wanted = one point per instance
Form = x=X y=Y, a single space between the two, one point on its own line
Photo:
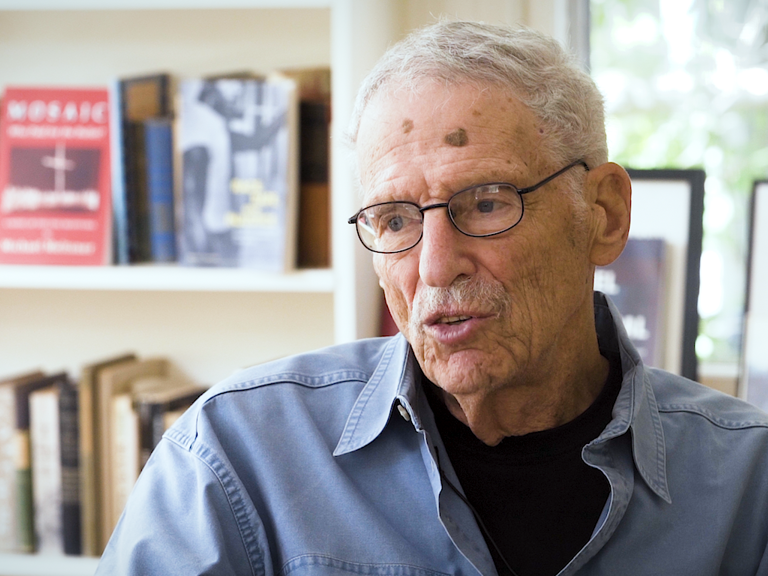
x=539 y=402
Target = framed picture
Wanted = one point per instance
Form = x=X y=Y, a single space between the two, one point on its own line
x=753 y=380
x=655 y=282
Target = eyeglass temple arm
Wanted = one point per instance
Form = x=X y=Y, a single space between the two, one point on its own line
x=555 y=175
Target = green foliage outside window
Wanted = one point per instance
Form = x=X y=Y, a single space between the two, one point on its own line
x=686 y=86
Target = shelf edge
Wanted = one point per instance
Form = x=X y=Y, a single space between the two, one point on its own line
x=41 y=565
x=33 y=5
x=164 y=278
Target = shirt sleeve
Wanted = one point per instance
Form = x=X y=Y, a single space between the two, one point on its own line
x=186 y=516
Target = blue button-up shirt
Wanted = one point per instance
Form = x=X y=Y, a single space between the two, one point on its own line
x=326 y=464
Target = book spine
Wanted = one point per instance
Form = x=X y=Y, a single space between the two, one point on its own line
x=154 y=419
x=136 y=192
x=88 y=486
x=147 y=424
x=158 y=144
x=158 y=425
x=125 y=450
x=46 y=466
x=7 y=472
x=70 y=469
x=25 y=526
x=119 y=210
x=314 y=233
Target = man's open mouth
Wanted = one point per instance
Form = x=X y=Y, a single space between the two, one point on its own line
x=452 y=320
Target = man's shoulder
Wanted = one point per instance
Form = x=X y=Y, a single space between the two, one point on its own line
x=323 y=367
x=271 y=393
x=677 y=395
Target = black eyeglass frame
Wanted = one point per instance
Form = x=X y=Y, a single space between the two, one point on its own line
x=422 y=209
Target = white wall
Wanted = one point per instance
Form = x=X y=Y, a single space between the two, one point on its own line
x=209 y=334
x=80 y=47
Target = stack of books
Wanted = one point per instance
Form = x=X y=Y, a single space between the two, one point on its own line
x=70 y=451
x=224 y=171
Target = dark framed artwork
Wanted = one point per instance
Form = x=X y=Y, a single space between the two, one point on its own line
x=753 y=378
x=655 y=282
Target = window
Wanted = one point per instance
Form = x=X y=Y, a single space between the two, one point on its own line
x=686 y=85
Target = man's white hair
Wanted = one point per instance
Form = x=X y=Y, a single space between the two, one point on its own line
x=533 y=66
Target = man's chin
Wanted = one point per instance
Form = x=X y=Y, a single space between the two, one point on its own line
x=463 y=372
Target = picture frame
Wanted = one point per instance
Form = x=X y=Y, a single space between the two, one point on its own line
x=753 y=373
x=667 y=205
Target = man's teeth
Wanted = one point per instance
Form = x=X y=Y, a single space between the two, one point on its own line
x=453 y=319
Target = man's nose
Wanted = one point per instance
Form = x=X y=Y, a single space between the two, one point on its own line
x=445 y=253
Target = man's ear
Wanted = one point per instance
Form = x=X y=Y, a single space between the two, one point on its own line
x=609 y=191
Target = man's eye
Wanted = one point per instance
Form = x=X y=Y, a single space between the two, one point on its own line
x=395 y=223
x=485 y=206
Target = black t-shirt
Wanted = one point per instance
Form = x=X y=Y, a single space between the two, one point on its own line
x=534 y=494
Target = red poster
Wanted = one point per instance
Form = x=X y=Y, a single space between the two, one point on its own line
x=55 y=202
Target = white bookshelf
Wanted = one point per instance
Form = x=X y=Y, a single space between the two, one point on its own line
x=164 y=278
x=157 y=4
x=207 y=320
x=33 y=565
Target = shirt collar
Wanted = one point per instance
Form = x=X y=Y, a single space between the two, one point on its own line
x=635 y=407
x=396 y=379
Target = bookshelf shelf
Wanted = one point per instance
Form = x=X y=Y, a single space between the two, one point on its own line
x=156 y=4
x=34 y=565
x=164 y=278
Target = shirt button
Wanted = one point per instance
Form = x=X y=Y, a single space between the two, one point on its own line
x=403 y=412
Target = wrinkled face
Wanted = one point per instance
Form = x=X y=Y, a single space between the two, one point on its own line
x=480 y=313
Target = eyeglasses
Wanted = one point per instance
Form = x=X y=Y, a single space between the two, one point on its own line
x=477 y=211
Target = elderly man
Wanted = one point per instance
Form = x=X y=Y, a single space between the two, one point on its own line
x=511 y=428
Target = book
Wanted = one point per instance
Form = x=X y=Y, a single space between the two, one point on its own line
x=8 y=491
x=314 y=226
x=124 y=447
x=55 y=202
x=637 y=284
x=138 y=421
x=158 y=144
x=158 y=402
x=114 y=381
x=120 y=254
x=90 y=450
x=25 y=527
x=237 y=188
x=55 y=470
x=137 y=99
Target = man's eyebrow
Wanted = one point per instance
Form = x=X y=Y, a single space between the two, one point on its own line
x=513 y=173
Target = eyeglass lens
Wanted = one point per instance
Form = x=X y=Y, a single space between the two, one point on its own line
x=480 y=211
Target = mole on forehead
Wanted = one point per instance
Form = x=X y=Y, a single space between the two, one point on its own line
x=457 y=138
x=407 y=125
